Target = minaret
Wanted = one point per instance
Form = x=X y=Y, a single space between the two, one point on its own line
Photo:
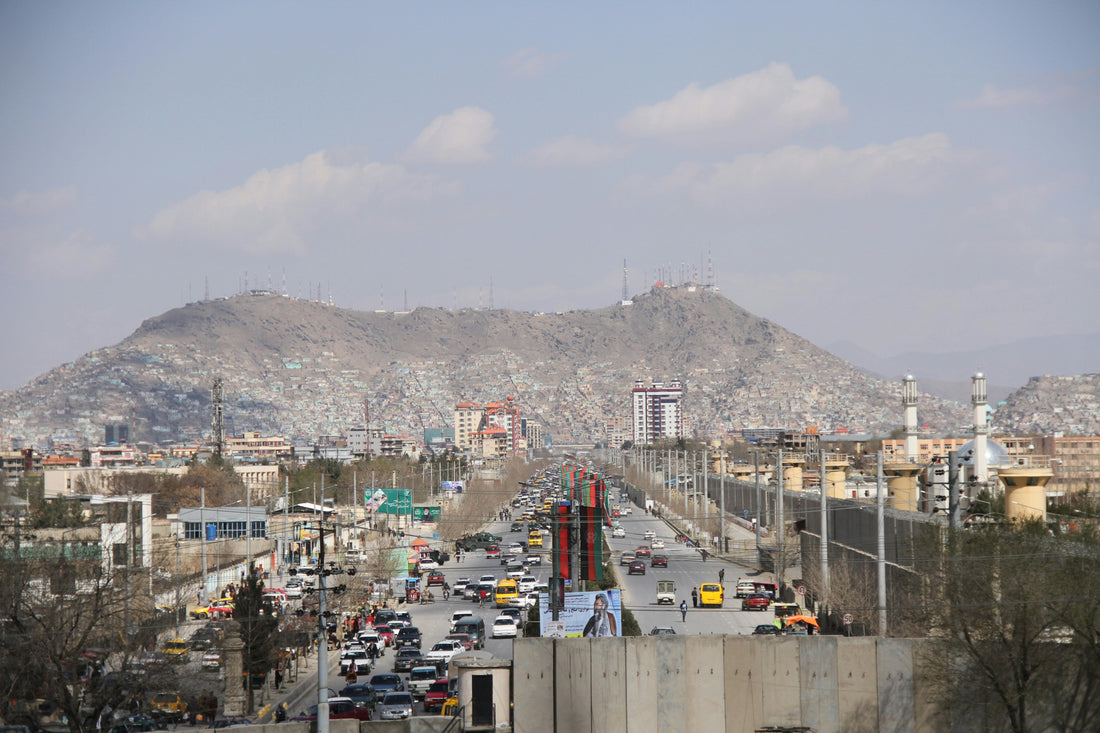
x=981 y=428
x=909 y=403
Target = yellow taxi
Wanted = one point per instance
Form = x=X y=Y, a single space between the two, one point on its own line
x=176 y=650
x=534 y=539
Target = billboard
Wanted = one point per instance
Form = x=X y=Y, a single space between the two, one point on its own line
x=596 y=613
x=426 y=513
x=398 y=501
x=453 y=486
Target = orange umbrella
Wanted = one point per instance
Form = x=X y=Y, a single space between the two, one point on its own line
x=808 y=619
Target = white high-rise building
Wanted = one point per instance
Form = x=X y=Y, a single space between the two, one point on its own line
x=658 y=412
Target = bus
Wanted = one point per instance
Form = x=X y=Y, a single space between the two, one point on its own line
x=506 y=590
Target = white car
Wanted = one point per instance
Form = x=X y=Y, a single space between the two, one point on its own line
x=445 y=649
x=503 y=627
x=533 y=560
x=527 y=584
x=618 y=532
x=293 y=589
x=657 y=545
x=649 y=534
x=515 y=614
x=488 y=579
x=428 y=564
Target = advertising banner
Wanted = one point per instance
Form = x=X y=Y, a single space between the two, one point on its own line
x=426 y=513
x=398 y=501
x=453 y=486
x=596 y=613
x=376 y=500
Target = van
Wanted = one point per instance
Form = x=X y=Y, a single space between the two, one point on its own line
x=534 y=538
x=420 y=679
x=506 y=590
x=711 y=594
x=474 y=626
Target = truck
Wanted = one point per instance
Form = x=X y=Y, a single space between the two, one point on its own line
x=666 y=592
x=478 y=541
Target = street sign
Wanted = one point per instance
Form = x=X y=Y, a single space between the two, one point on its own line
x=801 y=590
x=848 y=619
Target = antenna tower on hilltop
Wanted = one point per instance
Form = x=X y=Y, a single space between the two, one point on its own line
x=217 y=430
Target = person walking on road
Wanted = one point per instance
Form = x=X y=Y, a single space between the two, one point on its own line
x=722 y=576
x=694 y=598
x=684 y=611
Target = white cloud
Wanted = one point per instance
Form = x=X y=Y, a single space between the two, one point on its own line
x=530 y=62
x=791 y=175
x=769 y=104
x=994 y=97
x=37 y=254
x=574 y=151
x=285 y=209
x=39 y=203
x=461 y=137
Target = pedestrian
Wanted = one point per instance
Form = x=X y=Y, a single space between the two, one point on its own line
x=278 y=676
x=722 y=576
x=684 y=611
x=694 y=598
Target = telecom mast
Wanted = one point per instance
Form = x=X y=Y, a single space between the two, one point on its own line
x=217 y=431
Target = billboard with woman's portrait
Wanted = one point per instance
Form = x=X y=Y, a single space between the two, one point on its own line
x=595 y=613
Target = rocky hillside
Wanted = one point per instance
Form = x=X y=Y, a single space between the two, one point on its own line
x=1048 y=404
x=303 y=368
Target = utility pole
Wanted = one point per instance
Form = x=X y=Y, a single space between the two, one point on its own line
x=322 y=640
x=759 y=503
x=954 y=511
x=824 y=533
x=780 y=523
x=202 y=540
x=881 y=512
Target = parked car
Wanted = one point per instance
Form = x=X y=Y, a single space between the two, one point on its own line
x=755 y=602
x=396 y=706
x=636 y=568
x=658 y=561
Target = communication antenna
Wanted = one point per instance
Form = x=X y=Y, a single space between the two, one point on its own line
x=206 y=287
x=710 y=270
x=217 y=430
x=284 y=280
x=490 y=292
x=626 y=289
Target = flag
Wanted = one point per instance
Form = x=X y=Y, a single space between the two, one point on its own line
x=561 y=541
x=591 y=543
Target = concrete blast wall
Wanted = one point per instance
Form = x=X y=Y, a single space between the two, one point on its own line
x=736 y=684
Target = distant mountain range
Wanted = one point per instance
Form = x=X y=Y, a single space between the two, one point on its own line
x=1006 y=366
x=304 y=369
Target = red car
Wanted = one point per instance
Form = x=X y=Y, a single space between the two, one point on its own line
x=659 y=561
x=636 y=567
x=755 y=602
x=386 y=633
x=436 y=578
x=492 y=551
x=467 y=642
x=437 y=694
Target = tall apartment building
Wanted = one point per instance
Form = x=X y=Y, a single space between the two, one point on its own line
x=658 y=412
x=467 y=422
x=472 y=421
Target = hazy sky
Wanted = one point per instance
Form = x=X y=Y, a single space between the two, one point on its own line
x=899 y=175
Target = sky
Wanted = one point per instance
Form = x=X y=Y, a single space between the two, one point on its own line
x=893 y=175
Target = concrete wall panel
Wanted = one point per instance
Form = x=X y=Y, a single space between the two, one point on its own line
x=781 y=682
x=608 y=685
x=641 y=683
x=744 y=694
x=573 y=684
x=857 y=684
x=671 y=693
x=896 y=701
x=532 y=684
x=704 y=676
x=818 y=679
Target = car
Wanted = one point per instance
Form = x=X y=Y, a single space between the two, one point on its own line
x=516 y=527
x=618 y=532
x=527 y=583
x=504 y=626
x=744 y=588
x=515 y=571
x=515 y=614
x=533 y=559
x=755 y=602
x=339 y=708
x=464 y=639
x=711 y=594
x=421 y=678
x=766 y=630
x=458 y=615
x=408 y=636
x=507 y=559
x=658 y=561
x=380 y=684
x=203 y=638
x=515 y=548
x=649 y=534
x=169 y=704
x=428 y=564
x=405 y=658
x=437 y=694
x=357 y=660
x=436 y=578
x=211 y=659
x=492 y=551
x=459 y=586
x=370 y=636
x=396 y=706
x=486 y=591
x=636 y=568
x=662 y=631
x=445 y=649
x=176 y=650
x=642 y=551
x=386 y=633
x=488 y=579
x=360 y=693
x=627 y=558
x=384 y=616
x=657 y=544
x=542 y=587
